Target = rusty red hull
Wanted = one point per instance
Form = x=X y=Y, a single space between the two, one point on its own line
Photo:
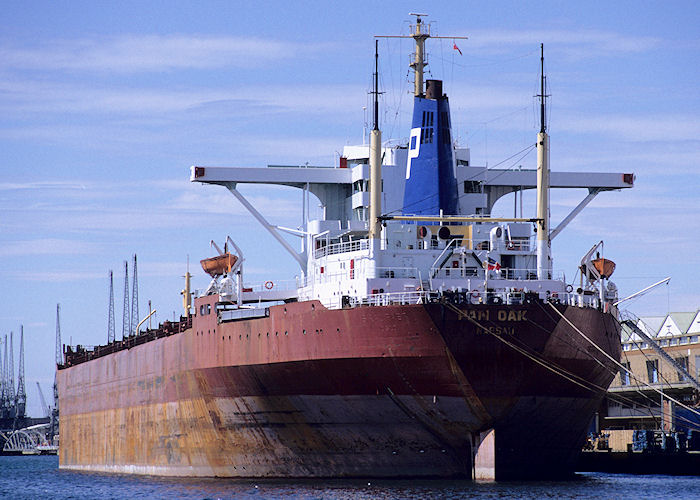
x=392 y=391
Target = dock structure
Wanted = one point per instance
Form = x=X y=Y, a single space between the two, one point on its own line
x=653 y=404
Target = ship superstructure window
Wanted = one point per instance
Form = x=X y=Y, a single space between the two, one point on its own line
x=473 y=187
x=683 y=363
x=624 y=374
x=653 y=371
x=360 y=186
x=360 y=213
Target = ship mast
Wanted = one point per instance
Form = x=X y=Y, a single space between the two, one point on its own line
x=375 y=159
x=420 y=32
x=544 y=263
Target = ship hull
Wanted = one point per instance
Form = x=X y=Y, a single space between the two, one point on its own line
x=390 y=391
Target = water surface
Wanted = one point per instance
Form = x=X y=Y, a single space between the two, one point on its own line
x=38 y=477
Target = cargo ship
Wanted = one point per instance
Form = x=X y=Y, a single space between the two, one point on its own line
x=423 y=337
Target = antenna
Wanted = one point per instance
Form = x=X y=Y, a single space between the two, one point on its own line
x=375 y=123
x=126 y=324
x=542 y=95
x=135 y=301
x=110 y=318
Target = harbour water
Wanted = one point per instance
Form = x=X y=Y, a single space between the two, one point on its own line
x=38 y=477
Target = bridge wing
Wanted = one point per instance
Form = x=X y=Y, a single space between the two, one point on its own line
x=285 y=176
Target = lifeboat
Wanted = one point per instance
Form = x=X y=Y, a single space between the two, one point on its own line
x=604 y=267
x=221 y=264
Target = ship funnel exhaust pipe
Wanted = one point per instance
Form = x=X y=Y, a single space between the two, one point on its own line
x=433 y=89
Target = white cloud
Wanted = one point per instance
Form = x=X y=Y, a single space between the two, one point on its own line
x=46 y=246
x=50 y=276
x=40 y=96
x=151 y=53
x=647 y=127
x=576 y=42
x=45 y=185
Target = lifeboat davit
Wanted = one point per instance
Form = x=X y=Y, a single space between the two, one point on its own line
x=221 y=264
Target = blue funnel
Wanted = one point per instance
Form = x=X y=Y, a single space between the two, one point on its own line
x=431 y=185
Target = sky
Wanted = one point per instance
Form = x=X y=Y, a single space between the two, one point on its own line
x=104 y=106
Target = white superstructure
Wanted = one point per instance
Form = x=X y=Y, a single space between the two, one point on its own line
x=348 y=258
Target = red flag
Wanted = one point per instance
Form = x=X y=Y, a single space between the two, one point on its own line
x=454 y=46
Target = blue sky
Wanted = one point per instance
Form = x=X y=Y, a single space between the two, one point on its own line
x=104 y=106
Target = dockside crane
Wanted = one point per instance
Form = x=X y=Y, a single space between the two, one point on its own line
x=21 y=396
x=11 y=401
x=5 y=383
x=59 y=354
x=53 y=429
x=134 y=302
x=126 y=323
x=110 y=319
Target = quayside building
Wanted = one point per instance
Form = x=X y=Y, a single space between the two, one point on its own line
x=661 y=355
